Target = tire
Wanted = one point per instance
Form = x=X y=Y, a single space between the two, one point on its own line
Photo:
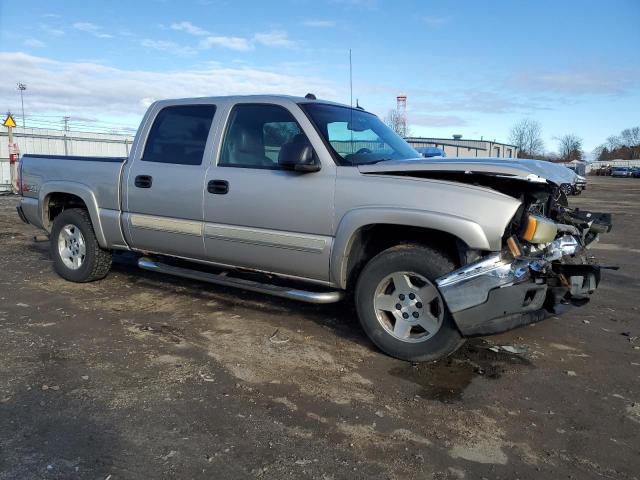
x=75 y=251
x=432 y=333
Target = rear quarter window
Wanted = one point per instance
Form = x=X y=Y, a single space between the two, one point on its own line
x=179 y=135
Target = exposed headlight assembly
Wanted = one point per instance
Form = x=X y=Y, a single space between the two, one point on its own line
x=540 y=230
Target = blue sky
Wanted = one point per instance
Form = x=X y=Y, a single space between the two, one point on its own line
x=467 y=67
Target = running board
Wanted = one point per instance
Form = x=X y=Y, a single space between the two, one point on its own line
x=291 y=293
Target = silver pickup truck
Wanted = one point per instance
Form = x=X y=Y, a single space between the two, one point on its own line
x=308 y=200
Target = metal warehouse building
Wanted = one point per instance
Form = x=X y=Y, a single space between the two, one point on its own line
x=58 y=142
x=458 y=147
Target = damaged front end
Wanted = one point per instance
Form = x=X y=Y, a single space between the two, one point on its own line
x=543 y=268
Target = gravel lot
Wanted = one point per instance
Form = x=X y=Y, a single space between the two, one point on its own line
x=145 y=376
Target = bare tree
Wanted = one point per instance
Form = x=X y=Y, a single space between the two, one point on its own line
x=570 y=147
x=527 y=136
x=397 y=123
x=630 y=137
x=625 y=146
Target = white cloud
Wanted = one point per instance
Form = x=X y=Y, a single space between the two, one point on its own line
x=578 y=82
x=189 y=28
x=431 y=120
x=56 y=32
x=91 y=28
x=276 y=38
x=95 y=90
x=169 y=47
x=319 y=23
x=86 y=27
x=233 y=43
x=33 y=43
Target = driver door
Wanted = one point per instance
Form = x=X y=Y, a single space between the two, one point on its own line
x=259 y=215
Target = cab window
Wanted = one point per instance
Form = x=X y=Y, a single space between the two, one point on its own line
x=255 y=134
x=179 y=135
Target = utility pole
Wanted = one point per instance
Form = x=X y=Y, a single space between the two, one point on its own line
x=22 y=87
x=65 y=120
x=10 y=123
x=401 y=109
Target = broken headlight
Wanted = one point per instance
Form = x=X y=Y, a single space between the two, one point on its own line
x=539 y=229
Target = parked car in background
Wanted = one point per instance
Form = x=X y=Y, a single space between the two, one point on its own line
x=579 y=184
x=431 y=152
x=636 y=172
x=621 y=172
x=311 y=200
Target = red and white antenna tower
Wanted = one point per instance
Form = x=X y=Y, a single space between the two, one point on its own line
x=402 y=114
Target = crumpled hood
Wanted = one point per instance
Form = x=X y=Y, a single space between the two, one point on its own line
x=527 y=170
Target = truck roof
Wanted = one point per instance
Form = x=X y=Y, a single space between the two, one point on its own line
x=258 y=98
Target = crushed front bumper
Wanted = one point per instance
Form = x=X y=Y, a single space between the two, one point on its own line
x=496 y=293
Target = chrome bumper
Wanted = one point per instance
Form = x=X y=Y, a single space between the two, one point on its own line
x=496 y=294
x=470 y=285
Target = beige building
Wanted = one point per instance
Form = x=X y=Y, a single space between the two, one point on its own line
x=459 y=147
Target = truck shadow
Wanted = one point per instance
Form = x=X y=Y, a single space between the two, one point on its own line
x=340 y=317
x=443 y=381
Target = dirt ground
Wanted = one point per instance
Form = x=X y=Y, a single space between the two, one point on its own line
x=145 y=376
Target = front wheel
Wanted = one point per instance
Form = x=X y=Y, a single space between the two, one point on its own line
x=75 y=251
x=400 y=307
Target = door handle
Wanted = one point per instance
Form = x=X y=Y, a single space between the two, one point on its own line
x=143 y=181
x=218 y=187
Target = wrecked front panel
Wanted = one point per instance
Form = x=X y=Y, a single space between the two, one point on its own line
x=544 y=265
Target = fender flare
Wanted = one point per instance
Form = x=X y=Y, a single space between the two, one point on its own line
x=79 y=190
x=466 y=230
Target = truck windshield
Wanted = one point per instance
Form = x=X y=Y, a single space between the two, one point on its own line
x=357 y=137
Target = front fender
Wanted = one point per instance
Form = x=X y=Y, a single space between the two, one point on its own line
x=74 y=188
x=465 y=229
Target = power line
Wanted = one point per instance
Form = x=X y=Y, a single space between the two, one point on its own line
x=68 y=124
x=82 y=121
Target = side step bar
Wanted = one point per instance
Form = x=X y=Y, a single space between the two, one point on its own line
x=284 y=292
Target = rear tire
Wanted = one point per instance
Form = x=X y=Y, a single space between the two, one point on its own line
x=422 y=329
x=75 y=251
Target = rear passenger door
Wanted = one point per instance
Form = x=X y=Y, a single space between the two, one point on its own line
x=165 y=181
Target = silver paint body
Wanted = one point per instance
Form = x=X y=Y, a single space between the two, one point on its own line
x=288 y=223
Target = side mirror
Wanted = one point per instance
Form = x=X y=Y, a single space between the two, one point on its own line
x=298 y=155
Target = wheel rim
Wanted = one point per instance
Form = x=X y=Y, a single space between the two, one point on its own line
x=72 y=247
x=409 y=307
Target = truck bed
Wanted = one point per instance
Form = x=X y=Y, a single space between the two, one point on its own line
x=95 y=180
x=101 y=175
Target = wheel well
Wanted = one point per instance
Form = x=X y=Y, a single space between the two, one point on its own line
x=56 y=203
x=370 y=240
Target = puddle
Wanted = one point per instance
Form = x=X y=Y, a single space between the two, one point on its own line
x=447 y=379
